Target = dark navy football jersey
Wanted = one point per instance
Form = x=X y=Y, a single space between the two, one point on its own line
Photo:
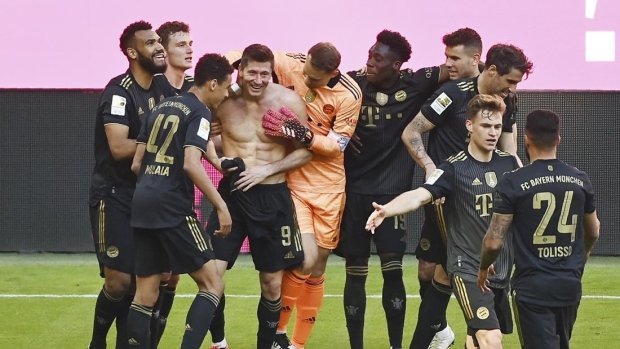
x=122 y=102
x=384 y=165
x=188 y=82
x=548 y=200
x=164 y=193
x=447 y=110
x=468 y=186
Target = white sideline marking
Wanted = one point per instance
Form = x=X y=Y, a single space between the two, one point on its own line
x=227 y=296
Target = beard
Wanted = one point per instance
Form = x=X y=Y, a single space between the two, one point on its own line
x=149 y=64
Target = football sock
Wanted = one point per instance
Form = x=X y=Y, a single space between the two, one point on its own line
x=218 y=322
x=424 y=285
x=355 y=303
x=292 y=287
x=198 y=319
x=268 y=313
x=431 y=315
x=139 y=326
x=394 y=299
x=166 y=306
x=121 y=321
x=155 y=317
x=106 y=309
x=308 y=306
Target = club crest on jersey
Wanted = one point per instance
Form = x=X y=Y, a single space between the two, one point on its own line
x=310 y=96
x=382 y=98
x=550 y=168
x=491 y=179
x=400 y=95
x=328 y=109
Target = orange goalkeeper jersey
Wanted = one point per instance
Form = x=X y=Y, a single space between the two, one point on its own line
x=334 y=107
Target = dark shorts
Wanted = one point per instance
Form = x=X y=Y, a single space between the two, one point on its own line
x=113 y=235
x=277 y=250
x=389 y=237
x=542 y=327
x=482 y=310
x=182 y=249
x=432 y=244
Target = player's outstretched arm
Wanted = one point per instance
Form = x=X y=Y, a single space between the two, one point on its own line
x=412 y=137
x=137 y=159
x=196 y=172
x=491 y=246
x=591 y=227
x=403 y=203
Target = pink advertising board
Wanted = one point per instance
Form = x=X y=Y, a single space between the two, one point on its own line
x=74 y=43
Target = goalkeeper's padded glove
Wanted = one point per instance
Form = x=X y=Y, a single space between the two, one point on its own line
x=285 y=124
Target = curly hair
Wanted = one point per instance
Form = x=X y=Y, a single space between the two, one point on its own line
x=128 y=35
x=212 y=66
x=397 y=44
x=167 y=29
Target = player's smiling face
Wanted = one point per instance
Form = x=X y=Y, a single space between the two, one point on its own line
x=502 y=85
x=255 y=77
x=382 y=64
x=180 y=50
x=149 y=51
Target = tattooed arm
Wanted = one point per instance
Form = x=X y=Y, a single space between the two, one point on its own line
x=491 y=247
x=412 y=137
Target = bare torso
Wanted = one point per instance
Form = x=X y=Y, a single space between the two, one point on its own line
x=243 y=135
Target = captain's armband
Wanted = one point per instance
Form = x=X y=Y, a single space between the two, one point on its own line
x=342 y=140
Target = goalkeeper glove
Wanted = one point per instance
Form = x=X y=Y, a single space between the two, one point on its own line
x=285 y=124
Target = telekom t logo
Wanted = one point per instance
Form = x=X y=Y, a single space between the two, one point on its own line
x=600 y=45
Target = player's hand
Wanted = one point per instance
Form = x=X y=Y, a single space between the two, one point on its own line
x=376 y=217
x=356 y=144
x=439 y=201
x=252 y=176
x=285 y=124
x=225 y=222
x=224 y=171
x=216 y=128
x=483 y=281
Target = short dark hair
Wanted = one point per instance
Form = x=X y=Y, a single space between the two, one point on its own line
x=167 y=29
x=212 y=66
x=507 y=57
x=128 y=35
x=325 y=57
x=256 y=53
x=467 y=37
x=397 y=44
x=542 y=127
x=485 y=102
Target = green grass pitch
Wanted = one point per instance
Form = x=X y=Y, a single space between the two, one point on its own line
x=47 y=300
